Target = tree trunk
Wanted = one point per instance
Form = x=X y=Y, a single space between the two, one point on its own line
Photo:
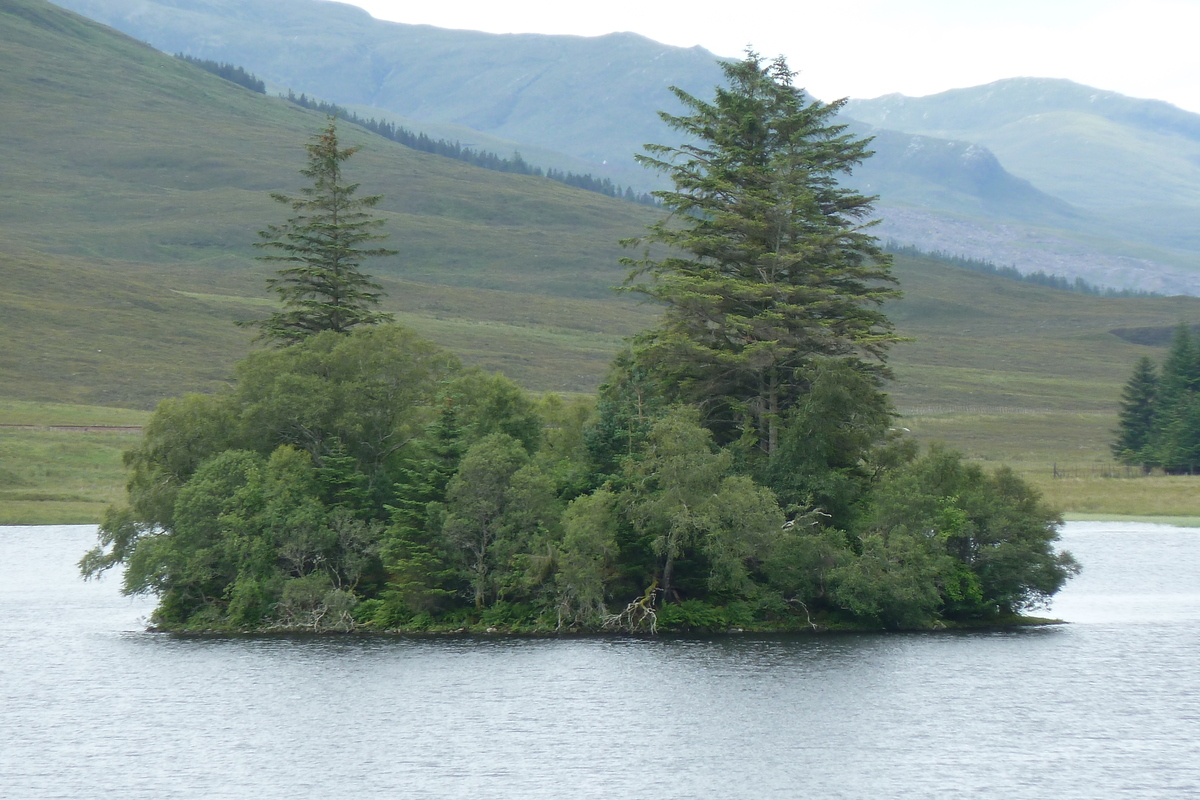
x=773 y=415
x=668 y=573
x=481 y=570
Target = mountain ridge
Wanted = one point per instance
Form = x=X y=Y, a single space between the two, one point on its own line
x=1038 y=125
x=1159 y=113
x=461 y=77
x=1065 y=215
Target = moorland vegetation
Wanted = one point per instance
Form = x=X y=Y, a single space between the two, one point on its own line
x=738 y=469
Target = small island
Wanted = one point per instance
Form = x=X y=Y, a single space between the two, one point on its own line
x=739 y=469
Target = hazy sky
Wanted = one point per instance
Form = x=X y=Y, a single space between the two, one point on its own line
x=1143 y=48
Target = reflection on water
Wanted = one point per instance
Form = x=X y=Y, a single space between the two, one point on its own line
x=91 y=706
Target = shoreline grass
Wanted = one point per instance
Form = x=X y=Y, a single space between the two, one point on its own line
x=1178 y=522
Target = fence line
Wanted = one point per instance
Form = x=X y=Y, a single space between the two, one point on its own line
x=930 y=411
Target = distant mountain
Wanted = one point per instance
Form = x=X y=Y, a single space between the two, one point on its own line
x=1135 y=162
x=952 y=175
x=1129 y=168
x=1046 y=175
x=1095 y=149
x=591 y=98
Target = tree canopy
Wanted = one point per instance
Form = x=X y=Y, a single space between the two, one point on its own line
x=1159 y=415
x=768 y=262
x=321 y=285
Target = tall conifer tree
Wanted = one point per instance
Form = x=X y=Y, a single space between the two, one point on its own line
x=1136 y=416
x=1175 y=440
x=1181 y=368
x=321 y=285
x=769 y=263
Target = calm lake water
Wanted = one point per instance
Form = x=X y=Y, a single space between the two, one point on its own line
x=1107 y=707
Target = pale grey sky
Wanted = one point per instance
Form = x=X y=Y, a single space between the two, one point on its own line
x=1143 y=48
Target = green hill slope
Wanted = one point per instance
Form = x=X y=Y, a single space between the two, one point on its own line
x=135 y=184
x=593 y=98
x=138 y=182
x=115 y=150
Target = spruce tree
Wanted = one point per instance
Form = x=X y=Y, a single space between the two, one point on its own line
x=1181 y=368
x=321 y=285
x=769 y=263
x=419 y=568
x=1136 y=416
x=1174 y=443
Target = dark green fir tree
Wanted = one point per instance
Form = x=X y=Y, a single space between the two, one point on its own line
x=419 y=569
x=769 y=263
x=321 y=248
x=1136 y=416
x=1175 y=440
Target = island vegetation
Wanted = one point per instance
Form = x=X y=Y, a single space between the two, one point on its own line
x=739 y=469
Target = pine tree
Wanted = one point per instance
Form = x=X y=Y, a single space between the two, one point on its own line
x=414 y=554
x=1174 y=442
x=1181 y=368
x=322 y=287
x=343 y=483
x=770 y=265
x=1136 y=416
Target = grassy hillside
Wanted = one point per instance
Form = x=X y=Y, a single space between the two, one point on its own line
x=588 y=103
x=136 y=183
x=593 y=98
x=114 y=150
x=987 y=342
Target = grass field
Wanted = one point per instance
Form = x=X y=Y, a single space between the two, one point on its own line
x=57 y=476
x=1033 y=444
x=61 y=476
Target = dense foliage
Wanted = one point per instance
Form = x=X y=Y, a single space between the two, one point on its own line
x=1159 y=417
x=768 y=265
x=320 y=284
x=368 y=479
x=738 y=469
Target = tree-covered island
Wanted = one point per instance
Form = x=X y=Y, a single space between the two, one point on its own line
x=738 y=469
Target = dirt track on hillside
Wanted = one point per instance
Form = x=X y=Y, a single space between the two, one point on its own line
x=74 y=428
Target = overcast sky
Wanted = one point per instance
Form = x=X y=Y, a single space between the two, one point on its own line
x=1143 y=48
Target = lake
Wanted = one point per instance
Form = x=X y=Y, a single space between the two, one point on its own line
x=1106 y=707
